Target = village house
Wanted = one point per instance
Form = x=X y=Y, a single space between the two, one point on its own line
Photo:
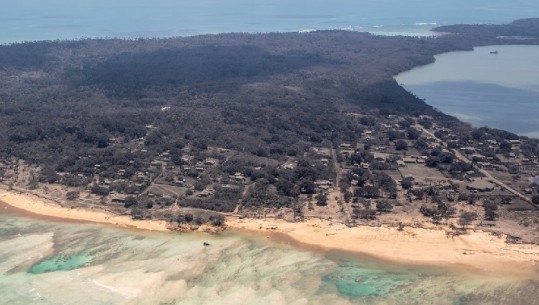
x=206 y=193
x=210 y=162
x=409 y=160
x=468 y=150
x=237 y=177
x=117 y=198
x=323 y=184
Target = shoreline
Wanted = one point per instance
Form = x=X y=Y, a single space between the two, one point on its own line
x=422 y=80
x=476 y=252
x=35 y=206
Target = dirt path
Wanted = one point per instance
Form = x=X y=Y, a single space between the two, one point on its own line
x=485 y=173
x=337 y=191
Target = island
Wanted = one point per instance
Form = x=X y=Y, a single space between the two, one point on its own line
x=304 y=137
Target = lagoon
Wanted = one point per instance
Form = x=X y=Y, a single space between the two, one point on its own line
x=483 y=88
x=45 y=262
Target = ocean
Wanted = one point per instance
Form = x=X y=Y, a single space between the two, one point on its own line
x=475 y=99
x=495 y=90
x=28 y=20
x=45 y=262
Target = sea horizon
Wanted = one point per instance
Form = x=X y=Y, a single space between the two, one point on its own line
x=54 y=259
x=35 y=20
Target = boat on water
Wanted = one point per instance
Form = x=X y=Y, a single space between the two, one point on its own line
x=494 y=52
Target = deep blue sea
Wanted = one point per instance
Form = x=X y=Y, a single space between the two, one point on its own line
x=23 y=20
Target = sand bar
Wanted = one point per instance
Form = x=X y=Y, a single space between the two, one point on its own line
x=476 y=251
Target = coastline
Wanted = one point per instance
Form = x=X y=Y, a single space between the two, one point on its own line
x=37 y=206
x=477 y=252
x=446 y=90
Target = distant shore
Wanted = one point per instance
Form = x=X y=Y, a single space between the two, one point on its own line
x=477 y=252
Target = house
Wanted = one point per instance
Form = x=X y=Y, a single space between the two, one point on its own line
x=409 y=160
x=530 y=170
x=500 y=168
x=118 y=198
x=488 y=223
x=179 y=181
x=468 y=150
x=237 y=177
x=290 y=165
x=486 y=165
x=409 y=177
x=401 y=163
x=323 y=184
x=210 y=162
x=206 y=193
x=477 y=157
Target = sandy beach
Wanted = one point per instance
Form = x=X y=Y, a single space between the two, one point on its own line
x=43 y=207
x=477 y=251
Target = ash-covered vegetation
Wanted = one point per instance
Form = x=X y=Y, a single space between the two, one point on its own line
x=225 y=122
x=520 y=29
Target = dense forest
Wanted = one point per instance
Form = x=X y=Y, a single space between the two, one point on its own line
x=111 y=109
x=522 y=28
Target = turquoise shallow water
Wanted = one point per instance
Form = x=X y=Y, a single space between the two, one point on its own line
x=356 y=281
x=61 y=263
x=64 y=263
x=22 y=20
